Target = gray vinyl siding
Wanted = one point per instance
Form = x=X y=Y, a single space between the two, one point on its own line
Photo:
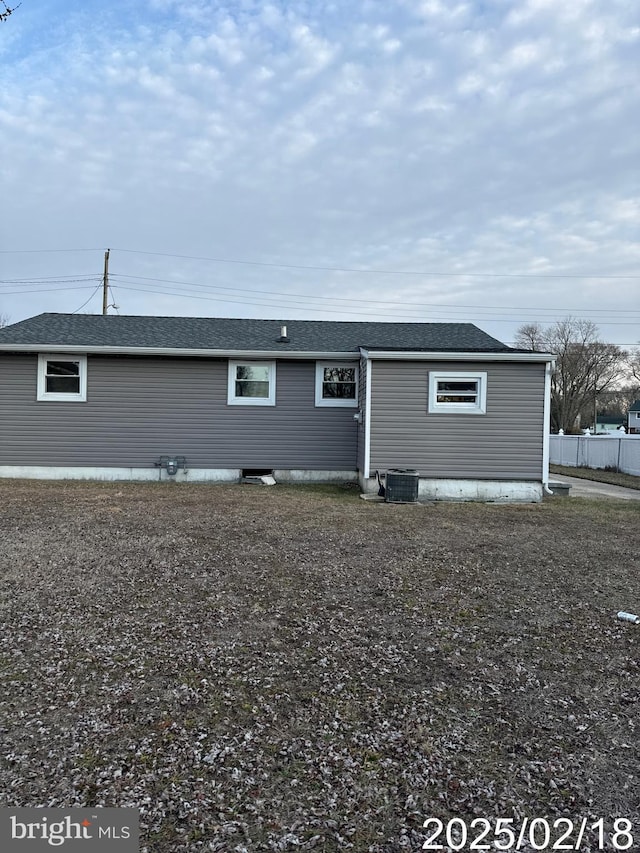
x=140 y=408
x=503 y=444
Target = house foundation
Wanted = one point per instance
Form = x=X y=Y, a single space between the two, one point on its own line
x=493 y=491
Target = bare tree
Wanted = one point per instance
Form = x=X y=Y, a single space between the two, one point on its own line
x=585 y=366
x=4 y=320
x=531 y=336
x=7 y=11
x=634 y=363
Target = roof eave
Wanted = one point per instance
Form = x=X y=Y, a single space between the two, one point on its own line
x=179 y=352
x=462 y=355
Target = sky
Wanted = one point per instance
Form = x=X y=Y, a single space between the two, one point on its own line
x=410 y=160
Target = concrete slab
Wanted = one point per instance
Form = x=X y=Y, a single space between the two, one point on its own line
x=592 y=489
x=560 y=490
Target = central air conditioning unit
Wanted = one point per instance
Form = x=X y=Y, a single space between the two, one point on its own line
x=401 y=485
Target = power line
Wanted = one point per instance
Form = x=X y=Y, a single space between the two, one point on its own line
x=297 y=301
x=430 y=305
x=249 y=301
x=44 y=290
x=360 y=270
x=378 y=271
x=43 y=251
x=53 y=279
x=113 y=303
x=88 y=300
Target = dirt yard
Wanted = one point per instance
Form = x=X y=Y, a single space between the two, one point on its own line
x=287 y=668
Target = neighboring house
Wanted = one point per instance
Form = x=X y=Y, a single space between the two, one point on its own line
x=107 y=396
x=609 y=423
x=633 y=424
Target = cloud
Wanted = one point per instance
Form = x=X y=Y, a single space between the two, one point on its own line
x=444 y=137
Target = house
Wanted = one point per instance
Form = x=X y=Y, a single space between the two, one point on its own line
x=113 y=397
x=609 y=423
x=633 y=423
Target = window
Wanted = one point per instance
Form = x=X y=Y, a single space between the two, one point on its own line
x=62 y=378
x=252 y=383
x=336 y=384
x=458 y=392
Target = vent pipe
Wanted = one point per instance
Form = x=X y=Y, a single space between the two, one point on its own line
x=283 y=339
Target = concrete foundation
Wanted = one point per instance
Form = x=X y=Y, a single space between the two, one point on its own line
x=191 y=475
x=495 y=491
x=284 y=476
x=428 y=489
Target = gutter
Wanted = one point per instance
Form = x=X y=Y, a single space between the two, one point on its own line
x=546 y=427
x=179 y=352
x=367 y=423
x=440 y=355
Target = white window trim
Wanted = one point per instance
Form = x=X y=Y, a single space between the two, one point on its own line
x=232 y=400
x=56 y=396
x=333 y=402
x=478 y=408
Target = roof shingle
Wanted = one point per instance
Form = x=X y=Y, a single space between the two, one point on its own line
x=60 y=330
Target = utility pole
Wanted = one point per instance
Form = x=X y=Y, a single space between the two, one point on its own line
x=105 y=283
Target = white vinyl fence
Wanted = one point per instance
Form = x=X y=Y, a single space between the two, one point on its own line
x=621 y=453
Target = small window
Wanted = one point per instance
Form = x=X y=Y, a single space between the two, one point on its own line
x=336 y=384
x=252 y=383
x=458 y=392
x=62 y=378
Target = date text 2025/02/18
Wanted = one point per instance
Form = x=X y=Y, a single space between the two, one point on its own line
x=538 y=833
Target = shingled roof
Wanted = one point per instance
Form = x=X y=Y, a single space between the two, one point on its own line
x=209 y=333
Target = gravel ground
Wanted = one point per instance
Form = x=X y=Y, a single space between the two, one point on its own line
x=280 y=669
